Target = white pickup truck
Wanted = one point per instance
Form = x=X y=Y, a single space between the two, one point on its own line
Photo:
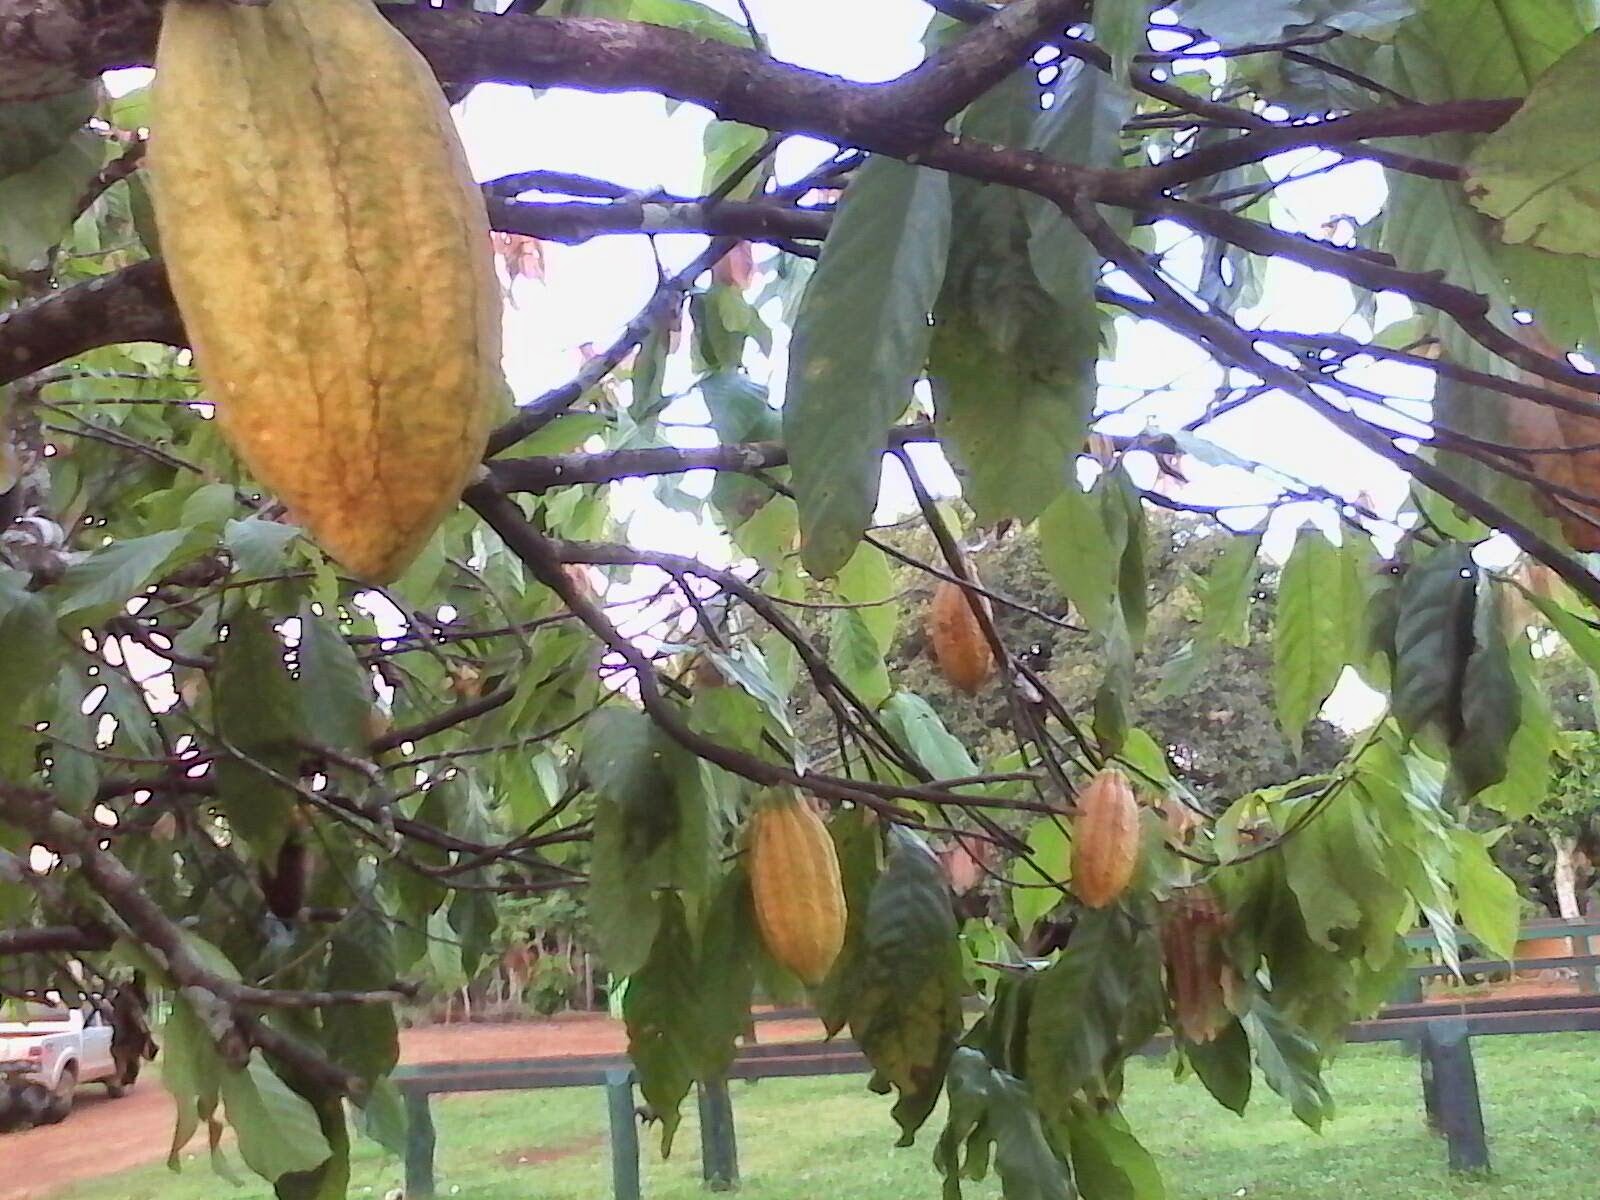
x=46 y=1054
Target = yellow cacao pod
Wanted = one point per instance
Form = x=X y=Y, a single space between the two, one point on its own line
x=794 y=880
x=959 y=647
x=330 y=256
x=1105 y=839
x=1200 y=977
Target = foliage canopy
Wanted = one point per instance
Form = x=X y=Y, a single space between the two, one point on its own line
x=286 y=795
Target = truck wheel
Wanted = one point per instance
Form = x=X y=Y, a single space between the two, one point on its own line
x=60 y=1103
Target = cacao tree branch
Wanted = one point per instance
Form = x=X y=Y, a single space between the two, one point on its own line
x=68 y=939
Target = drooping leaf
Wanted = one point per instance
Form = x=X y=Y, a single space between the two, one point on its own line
x=1107 y=1160
x=992 y=1114
x=1317 y=592
x=1433 y=640
x=1491 y=703
x=659 y=1009
x=1538 y=173
x=278 y=1129
x=1223 y=1065
x=907 y=1012
x=30 y=131
x=258 y=715
x=1290 y=1063
x=1490 y=908
x=37 y=204
x=334 y=688
x=860 y=339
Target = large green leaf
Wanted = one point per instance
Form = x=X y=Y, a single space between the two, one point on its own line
x=1490 y=908
x=659 y=1008
x=1223 y=1065
x=1108 y=1162
x=1231 y=22
x=1006 y=354
x=1539 y=173
x=1318 y=590
x=278 y=1130
x=32 y=130
x=1290 y=1063
x=334 y=688
x=1433 y=640
x=919 y=728
x=99 y=585
x=860 y=339
x=37 y=205
x=257 y=715
x=1491 y=704
x=906 y=1014
x=991 y=1113
x=1096 y=1005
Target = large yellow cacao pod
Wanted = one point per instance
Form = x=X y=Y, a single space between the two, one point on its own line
x=794 y=880
x=330 y=255
x=1105 y=839
x=959 y=647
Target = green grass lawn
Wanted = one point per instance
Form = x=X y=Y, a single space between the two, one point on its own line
x=804 y=1139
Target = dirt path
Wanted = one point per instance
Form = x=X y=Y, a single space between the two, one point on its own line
x=103 y=1137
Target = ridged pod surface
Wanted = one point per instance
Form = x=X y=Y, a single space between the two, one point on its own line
x=794 y=880
x=1200 y=976
x=330 y=255
x=1105 y=839
x=959 y=647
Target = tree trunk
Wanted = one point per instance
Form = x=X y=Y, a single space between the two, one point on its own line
x=1566 y=876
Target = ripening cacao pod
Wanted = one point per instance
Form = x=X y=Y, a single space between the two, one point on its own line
x=959 y=647
x=794 y=880
x=330 y=255
x=1200 y=976
x=1576 y=468
x=1105 y=839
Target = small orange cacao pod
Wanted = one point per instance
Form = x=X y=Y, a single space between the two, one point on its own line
x=794 y=881
x=959 y=647
x=1200 y=976
x=1105 y=839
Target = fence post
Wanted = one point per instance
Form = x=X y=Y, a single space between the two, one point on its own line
x=420 y=1141
x=1447 y=1046
x=624 y=1134
x=719 y=1149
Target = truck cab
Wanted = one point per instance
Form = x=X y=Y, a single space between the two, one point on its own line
x=48 y=1051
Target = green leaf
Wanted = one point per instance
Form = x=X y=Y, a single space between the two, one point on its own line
x=692 y=17
x=336 y=694
x=1289 y=1062
x=866 y=580
x=860 y=339
x=855 y=843
x=257 y=715
x=1108 y=1162
x=1082 y=547
x=1317 y=592
x=907 y=1013
x=1487 y=898
x=33 y=130
x=1045 y=869
x=1006 y=354
x=1538 y=174
x=739 y=413
x=991 y=1112
x=1227 y=590
x=856 y=654
x=362 y=1038
x=258 y=548
x=30 y=648
x=99 y=585
x=1119 y=27
x=914 y=723
x=1223 y=1065
x=1095 y=1006
x=725 y=974
x=37 y=205
x=278 y=1130
x=659 y=1009
x=191 y=1072
x=1491 y=705
x=1083 y=125
x=1231 y=22
x=1433 y=639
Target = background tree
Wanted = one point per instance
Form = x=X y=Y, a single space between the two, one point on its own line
x=286 y=793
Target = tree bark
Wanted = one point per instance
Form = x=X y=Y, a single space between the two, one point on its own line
x=1566 y=876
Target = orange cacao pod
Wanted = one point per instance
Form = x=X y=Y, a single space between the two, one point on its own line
x=1200 y=976
x=959 y=647
x=794 y=880
x=1105 y=839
